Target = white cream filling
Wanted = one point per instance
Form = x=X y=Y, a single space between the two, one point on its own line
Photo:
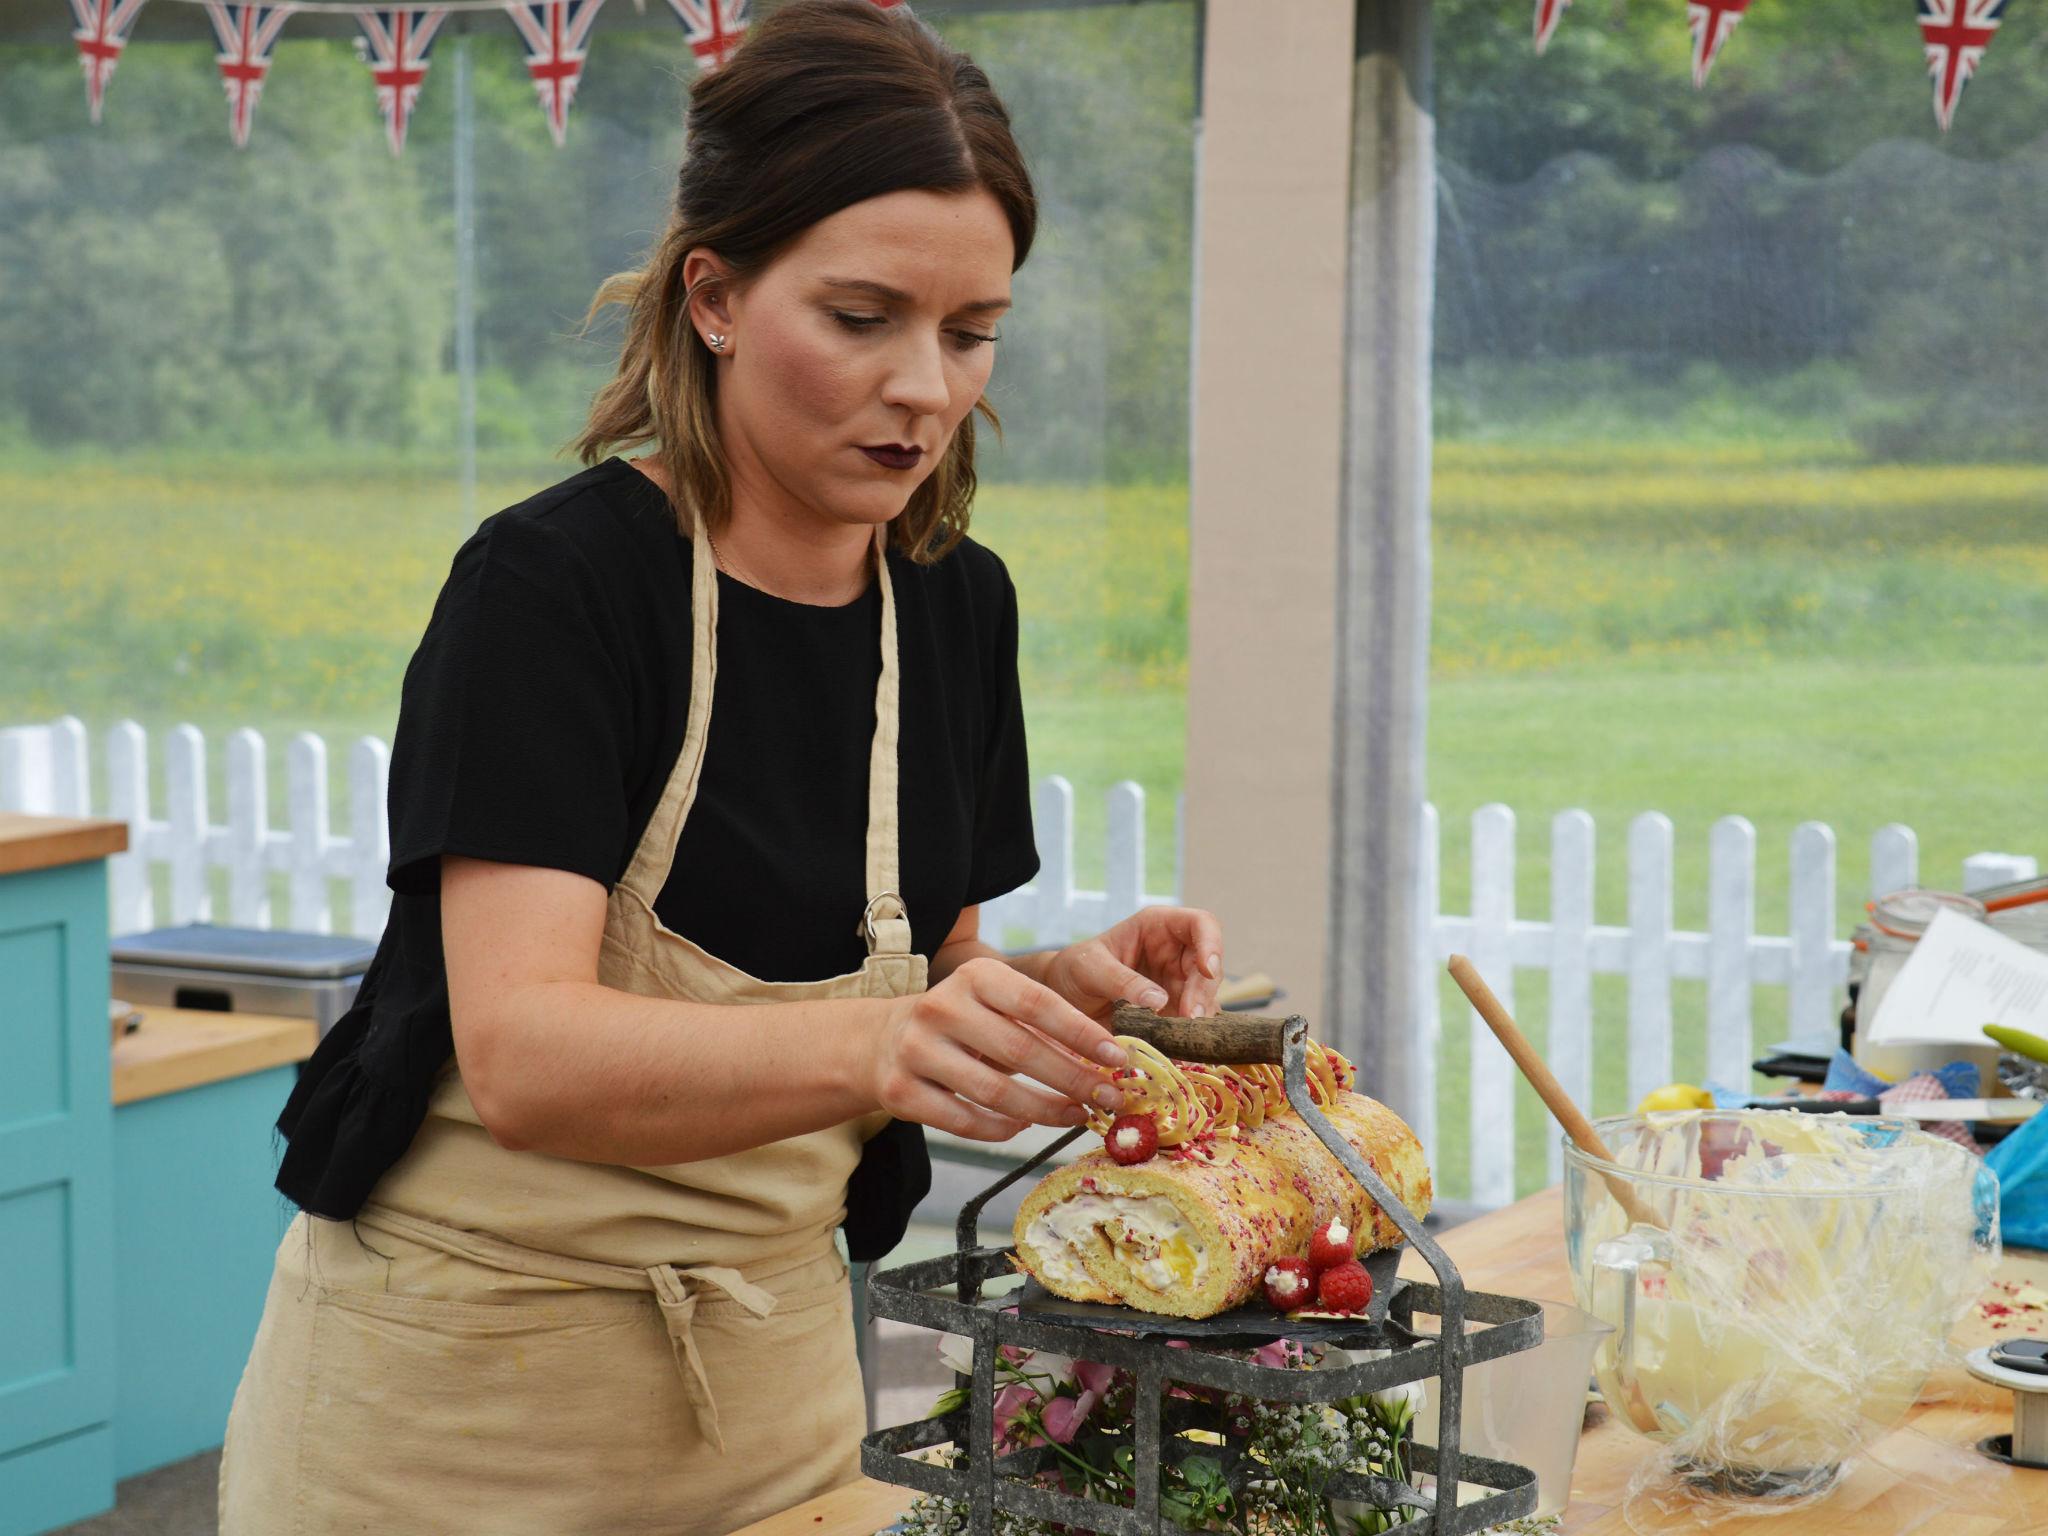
x=1148 y=1227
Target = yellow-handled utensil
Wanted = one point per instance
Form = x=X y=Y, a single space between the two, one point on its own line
x=2019 y=1041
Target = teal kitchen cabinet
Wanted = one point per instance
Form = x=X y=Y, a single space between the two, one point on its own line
x=57 y=1263
x=196 y=1218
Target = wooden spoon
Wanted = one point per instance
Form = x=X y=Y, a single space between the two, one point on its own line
x=1547 y=1087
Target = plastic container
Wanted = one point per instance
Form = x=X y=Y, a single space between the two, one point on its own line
x=1530 y=1408
x=208 y=967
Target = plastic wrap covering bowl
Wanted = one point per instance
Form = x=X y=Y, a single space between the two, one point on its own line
x=1780 y=1285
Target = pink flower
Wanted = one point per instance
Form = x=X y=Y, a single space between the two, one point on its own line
x=1012 y=1401
x=1092 y=1377
x=1278 y=1353
x=1064 y=1415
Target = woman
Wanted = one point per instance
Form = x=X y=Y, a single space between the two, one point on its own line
x=702 y=769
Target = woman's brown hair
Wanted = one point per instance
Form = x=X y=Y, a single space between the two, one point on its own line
x=826 y=104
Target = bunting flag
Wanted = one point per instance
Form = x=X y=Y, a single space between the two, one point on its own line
x=398 y=39
x=1956 y=33
x=557 y=34
x=103 y=27
x=1712 y=21
x=248 y=34
x=714 y=28
x=398 y=43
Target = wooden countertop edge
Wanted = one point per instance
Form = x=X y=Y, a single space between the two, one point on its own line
x=45 y=842
x=862 y=1506
x=177 y=1048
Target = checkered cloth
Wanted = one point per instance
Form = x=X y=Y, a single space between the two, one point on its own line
x=1920 y=1088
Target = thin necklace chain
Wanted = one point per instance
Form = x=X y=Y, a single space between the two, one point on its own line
x=739 y=575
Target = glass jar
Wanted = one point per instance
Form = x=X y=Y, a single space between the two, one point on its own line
x=1884 y=944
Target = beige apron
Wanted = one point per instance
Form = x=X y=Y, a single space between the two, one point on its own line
x=512 y=1343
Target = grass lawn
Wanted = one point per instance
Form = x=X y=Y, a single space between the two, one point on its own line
x=1763 y=625
x=287 y=596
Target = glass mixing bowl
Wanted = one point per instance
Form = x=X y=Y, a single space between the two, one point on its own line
x=1780 y=1284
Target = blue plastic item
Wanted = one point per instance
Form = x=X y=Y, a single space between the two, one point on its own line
x=2021 y=1163
x=1958 y=1079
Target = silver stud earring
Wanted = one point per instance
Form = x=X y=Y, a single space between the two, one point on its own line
x=717 y=341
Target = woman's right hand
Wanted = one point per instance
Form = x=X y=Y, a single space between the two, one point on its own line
x=946 y=1055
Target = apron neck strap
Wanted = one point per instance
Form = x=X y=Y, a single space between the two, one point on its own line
x=884 y=924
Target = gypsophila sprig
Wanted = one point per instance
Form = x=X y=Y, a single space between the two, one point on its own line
x=1265 y=1472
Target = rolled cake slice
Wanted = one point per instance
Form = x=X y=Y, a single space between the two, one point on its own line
x=1191 y=1235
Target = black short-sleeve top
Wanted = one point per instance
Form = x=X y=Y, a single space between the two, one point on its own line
x=538 y=722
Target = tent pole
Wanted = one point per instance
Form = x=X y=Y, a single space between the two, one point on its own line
x=465 y=274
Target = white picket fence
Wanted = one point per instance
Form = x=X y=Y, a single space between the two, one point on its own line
x=46 y=769
x=1810 y=962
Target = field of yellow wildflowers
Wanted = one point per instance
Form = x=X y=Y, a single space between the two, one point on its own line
x=1776 y=629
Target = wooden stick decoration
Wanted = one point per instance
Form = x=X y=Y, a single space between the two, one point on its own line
x=1547 y=1087
x=1222 y=1037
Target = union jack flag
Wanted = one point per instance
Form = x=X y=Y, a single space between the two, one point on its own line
x=714 y=28
x=1712 y=21
x=103 y=27
x=557 y=37
x=248 y=34
x=398 y=44
x=1548 y=14
x=1956 y=33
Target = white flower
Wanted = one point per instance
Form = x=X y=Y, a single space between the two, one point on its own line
x=956 y=1353
x=1408 y=1392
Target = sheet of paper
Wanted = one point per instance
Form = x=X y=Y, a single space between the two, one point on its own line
x=1960 y=977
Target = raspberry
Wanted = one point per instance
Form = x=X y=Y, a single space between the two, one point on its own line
x=1345 y=1287
x=1289 y=1284
x=1132 y=1138
x=1331 y=1244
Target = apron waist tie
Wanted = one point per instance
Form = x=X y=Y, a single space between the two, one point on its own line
x=675 y=1289
x=678 y=1302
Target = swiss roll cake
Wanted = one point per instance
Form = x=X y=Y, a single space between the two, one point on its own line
x=1189 y=1231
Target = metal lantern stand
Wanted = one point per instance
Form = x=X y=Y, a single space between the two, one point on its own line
x=946 y=1293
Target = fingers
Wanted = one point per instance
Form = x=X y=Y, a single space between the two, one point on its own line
x=955 y=1060
x=1015 y=998
x=981 y=1083
x=1183 y=948
x=1203 y=940
x=929 y=1104
x=1198 y=984
x=1100 y=974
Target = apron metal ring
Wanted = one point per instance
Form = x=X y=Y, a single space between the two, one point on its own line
x=867 y=917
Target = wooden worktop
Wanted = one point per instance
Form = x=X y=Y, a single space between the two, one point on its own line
x=1925 y=1476
x=43 y=842
x=178 y=1048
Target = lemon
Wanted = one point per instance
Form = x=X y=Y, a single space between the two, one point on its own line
x=1675 y=1096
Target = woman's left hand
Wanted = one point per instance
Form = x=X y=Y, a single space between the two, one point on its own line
x=1169 y=959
